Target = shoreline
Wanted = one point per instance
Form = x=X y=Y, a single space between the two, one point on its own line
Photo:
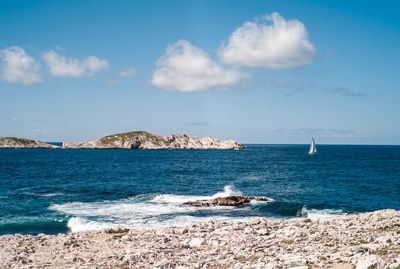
x=352 y=241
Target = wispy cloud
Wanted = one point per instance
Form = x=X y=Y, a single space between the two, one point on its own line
x=123 y=74
x=316 y=132
x=198 y=123
x=16 y=66
x=271 y=42
x=187 y=68
x=14 y=119
x=38 y=133
x=344 y=91
x=39 y=120
x=290 y=87
x=127 y=72
x=60 y=66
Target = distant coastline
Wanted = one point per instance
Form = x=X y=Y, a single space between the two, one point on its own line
x=129 y=140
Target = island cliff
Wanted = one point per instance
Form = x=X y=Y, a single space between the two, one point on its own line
x=146 y=140
x=14 y=142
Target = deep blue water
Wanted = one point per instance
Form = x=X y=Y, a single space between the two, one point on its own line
x=57 y=190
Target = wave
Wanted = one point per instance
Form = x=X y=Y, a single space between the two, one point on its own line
x=44 y=194
x=229 y=190
x=77 y=224
x=32 y=225
x=320 y=214
x=146 y=211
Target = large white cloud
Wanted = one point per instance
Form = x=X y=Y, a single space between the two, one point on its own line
x=187 y=68
x=61 y=66
x=16 y=66
x=271 y=42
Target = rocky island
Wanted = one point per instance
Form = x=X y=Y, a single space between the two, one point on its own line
x=14 y=142
x=146 y=140
x=361 y=241
x=130 y=140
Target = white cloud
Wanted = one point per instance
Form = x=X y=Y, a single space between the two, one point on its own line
x=128 y=72
x=272 y=42
x=61 y=66
x=16 y=66
x=187 y=68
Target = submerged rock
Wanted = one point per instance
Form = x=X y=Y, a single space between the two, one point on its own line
x=14 y=142
x=146 y=140
x=227 y=201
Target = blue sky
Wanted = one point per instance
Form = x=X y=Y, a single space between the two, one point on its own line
x=77 y=70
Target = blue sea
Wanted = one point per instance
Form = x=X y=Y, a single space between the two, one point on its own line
x=61 y=190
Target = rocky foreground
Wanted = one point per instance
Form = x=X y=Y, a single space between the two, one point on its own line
x=365 y=241
x=14 y=142
x=146 y=140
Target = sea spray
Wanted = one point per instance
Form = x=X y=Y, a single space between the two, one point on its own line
x=320 y=214
x=147 y=211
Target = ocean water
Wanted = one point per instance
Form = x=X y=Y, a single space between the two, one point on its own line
x=60 y=190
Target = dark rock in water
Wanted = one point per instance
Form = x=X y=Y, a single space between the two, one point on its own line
x=227 y=201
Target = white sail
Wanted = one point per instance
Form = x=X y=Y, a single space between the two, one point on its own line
x=313 y=148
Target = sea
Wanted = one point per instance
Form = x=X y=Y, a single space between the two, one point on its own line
x=60 y=190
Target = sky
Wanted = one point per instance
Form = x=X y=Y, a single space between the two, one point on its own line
x=253 y=71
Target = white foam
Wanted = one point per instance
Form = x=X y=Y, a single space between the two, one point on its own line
x=143 y=211
x=44 y=194
x=320 y=215
x=229 y=190
x=79 y=224
x=255 y=203
x=121 y=209
x=176 y=199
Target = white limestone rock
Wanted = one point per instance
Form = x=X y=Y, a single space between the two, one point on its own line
x=196 y=242
x=14 y=142
x=369 y=262
x=333 y=244
x=146 y=140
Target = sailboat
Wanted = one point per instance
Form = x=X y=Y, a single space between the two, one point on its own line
x=313 y=148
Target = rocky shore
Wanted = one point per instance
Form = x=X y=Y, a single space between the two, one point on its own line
x=146 y=140
x=363 y=241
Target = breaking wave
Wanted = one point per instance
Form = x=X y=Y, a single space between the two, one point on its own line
x=146 y=211
x=320 y=214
